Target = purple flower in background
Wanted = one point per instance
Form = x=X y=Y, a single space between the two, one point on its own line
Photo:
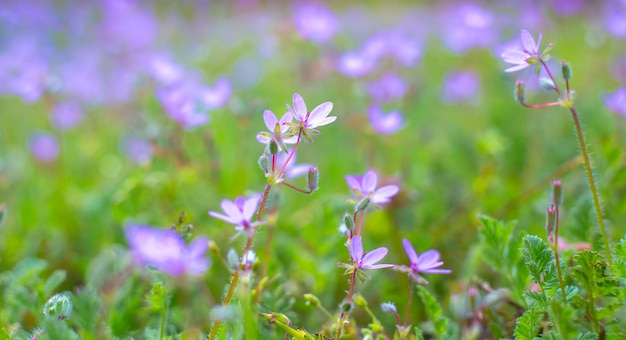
x=66 y=115
x=128 y=26
x=616 y=102
x=566 y=8
x=44 y=146
x=385 y=123
x=292 y=169
x=366 y=260
x=615 y=19
x=239 y=212
x=181 y=104
x=365 y=186
x=164 y=71
x=316 y=22
x=279 y=135
x=355 y=64
x=310 y=120
x=467 y=26
x=426 y=263
x=526 y=56
x=139 y=150
x=393 y=44
x=166 y=251
x=216 y=96
x=459 y=86
x=389 y=87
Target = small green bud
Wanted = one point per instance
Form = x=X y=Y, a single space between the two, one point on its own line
x=265 y=162
x=360 y=301
x=213 y=247
x=556 y=192
x=566 y=69
x=348 y=220
x=313 y=178
x=273 y=147
x=546 y=84
x=233 y=259
x=376 y=326
x=346 y=306
x=58 y=307
x=363 y=204
x=520 y=91
x=550 y=219
x=312 y=300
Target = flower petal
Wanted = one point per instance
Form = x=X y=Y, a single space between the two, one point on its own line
x=299 y=107
x=384 y=194
x=528 y=42
x=355 y=248
x=321 y=111
x=410 y=252
x=428 y=258
x=436 y=271
x=374 y=256
x=270 y=120
x=369 y=181
x=231 y=209
x=354 y=182
x=249 y=207
x=516 y=68
x=223 y=217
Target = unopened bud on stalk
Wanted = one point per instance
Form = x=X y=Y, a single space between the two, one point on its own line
x=566 y=69
x=360 y=301
x=520 y=91
x=312 y=300
x=312 y=178
x=550 y=219
x=265 y=162
x=273 y=147
x=58 y=307
x=556 y=192
x=348 y=221
x=363 y=204
x=388 y=307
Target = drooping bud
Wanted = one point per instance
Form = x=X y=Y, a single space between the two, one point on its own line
x=388 y=307
x=546 y=84
x=520 y=91
x=312 y=179
x=556 y=192
x=312 y=300
x=566 y=69
x=58 y=307
x=273 y=147
x=550 y=219
x=360 y=301
x=265 y=162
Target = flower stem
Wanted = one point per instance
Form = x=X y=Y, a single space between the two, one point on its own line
x=408 y=303
x=235 y=278
x=342 y=317
x=555 y=248
x=166 y=305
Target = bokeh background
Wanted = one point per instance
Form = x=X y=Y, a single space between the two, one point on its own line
x=117 y=112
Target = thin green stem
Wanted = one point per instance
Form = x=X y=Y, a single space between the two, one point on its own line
x=235 y=276
x=342 y=317
x=556 y=253
x=163 y=318
x=592 y=184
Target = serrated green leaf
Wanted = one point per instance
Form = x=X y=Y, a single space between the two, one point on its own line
x=587 y=336
x=433 y=310
x=539 y=260
x=57 y=329
x=527 y=325
x=536 y=299
x=87 y=305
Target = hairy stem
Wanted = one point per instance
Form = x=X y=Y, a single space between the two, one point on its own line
x=342 y=317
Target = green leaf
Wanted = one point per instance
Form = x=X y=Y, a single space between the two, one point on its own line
x=87 y=305
x=495 y=236
x=539 y=259
x=591 y=273
x=527 y=325
x=57 y=329
x=53 y=282
x=587 y=336
x=433 y=310
x=536 y=299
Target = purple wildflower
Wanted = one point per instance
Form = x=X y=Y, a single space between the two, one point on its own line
x=216 y=96
x=277 y=133
x=385 y=123
x=165 y=250
x=365 y=186
x=66 y=115
x=389 y=87
x=308 y=121
x=460 y=86
x=292 y=169
x=425 y=263
x=616 y=102
x=44 y=146
x=316 y=22
x=467 y=26
x=239 y=212
x=181 y=103
x=355 y=64
x=139 y=150
x=528 y=55
x=366 y=260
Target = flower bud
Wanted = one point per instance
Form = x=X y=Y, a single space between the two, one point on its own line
x=265 y=162
x=566 y=69
x=312 y=178
x=388 y=307
x=273 y=147
x=58 y=307
x=348 y=221
x=233 y=259
x=346 y=306
x=360 y=301
x=312 y=300
x=546 y=84
x=520 y=91
x=556 y=192
x=363 y=204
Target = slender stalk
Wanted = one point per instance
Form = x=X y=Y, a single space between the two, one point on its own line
x=408 y=302
x=163 y=318
x=342 y=317
x=235 y=277
x=555 y=248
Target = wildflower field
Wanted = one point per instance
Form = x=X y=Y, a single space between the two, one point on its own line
x=312 y=170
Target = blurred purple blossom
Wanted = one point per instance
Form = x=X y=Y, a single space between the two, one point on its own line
x=165 y=250
x=387 y=88
x=217 y=95
x=164 y=71
x=239 y=212
x=181 y=104
x=315 y=118
x=615 y=18
x=44 y=146
x=460 y=86
x=566 y=8
x=355 y=64
x=525 y=56
x=393 y=44
x=467 y=26
x=426 y=262
x=385 y=123
x=139 y=150
x=365 y=186
x=315 y=22
x=367 y=260
x=127 y=26
x=23 y=70
x=66 y=115
x=616 y=101
x=292 y=169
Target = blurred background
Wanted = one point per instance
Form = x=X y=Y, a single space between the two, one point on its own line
x=115 y=112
